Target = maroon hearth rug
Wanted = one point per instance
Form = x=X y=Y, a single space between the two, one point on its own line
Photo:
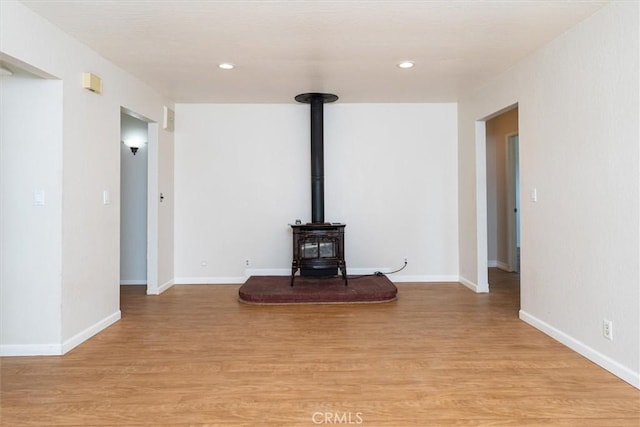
x=317 y=290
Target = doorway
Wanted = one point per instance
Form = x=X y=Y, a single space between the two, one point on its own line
x=502 y=192
x=134 y=137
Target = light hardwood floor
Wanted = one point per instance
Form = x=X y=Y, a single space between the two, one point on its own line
x=440 y=355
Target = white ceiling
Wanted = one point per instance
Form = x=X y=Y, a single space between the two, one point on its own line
x=283 y=48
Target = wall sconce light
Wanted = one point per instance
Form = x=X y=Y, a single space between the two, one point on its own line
x=92 y=82
x=134 y=144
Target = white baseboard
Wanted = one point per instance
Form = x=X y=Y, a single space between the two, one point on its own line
x=426 y=279
x=58 y=349
x=286 y=272
x=133 y=282
x=232 y=280
x=504 y=267
x=267 y=272
x=468 y=283
x=166 y=285
x=350 y=271
x=81 y=337
x=617 y=369
x=355 y=272
x=30 y=350
x=498 y=264
x=365 y=270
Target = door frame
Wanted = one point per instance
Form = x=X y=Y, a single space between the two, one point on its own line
x=512 y=159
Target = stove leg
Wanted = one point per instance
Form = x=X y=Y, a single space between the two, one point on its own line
x=343 y=269
x=293 y=273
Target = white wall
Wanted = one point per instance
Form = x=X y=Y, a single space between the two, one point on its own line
x=133 y=203
x=243 y=175
x=578 y=113
x=30 y=259
x=90 y=158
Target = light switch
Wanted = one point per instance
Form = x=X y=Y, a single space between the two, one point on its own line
x=106 y=197
x=534 y=195
x=38 y=198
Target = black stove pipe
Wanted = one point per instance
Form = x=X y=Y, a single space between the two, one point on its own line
x=317 y=101
x=317 y=160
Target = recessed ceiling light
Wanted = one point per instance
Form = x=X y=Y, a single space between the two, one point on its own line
x=406 y=64
x=226 y=66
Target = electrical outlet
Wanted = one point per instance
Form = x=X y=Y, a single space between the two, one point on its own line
x=406 y=260
x=246 y=263
x=607 y=329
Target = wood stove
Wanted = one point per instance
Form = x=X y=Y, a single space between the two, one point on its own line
x=318 y=247
x=318 y=250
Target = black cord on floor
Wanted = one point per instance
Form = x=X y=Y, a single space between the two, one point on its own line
x=379 y=273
